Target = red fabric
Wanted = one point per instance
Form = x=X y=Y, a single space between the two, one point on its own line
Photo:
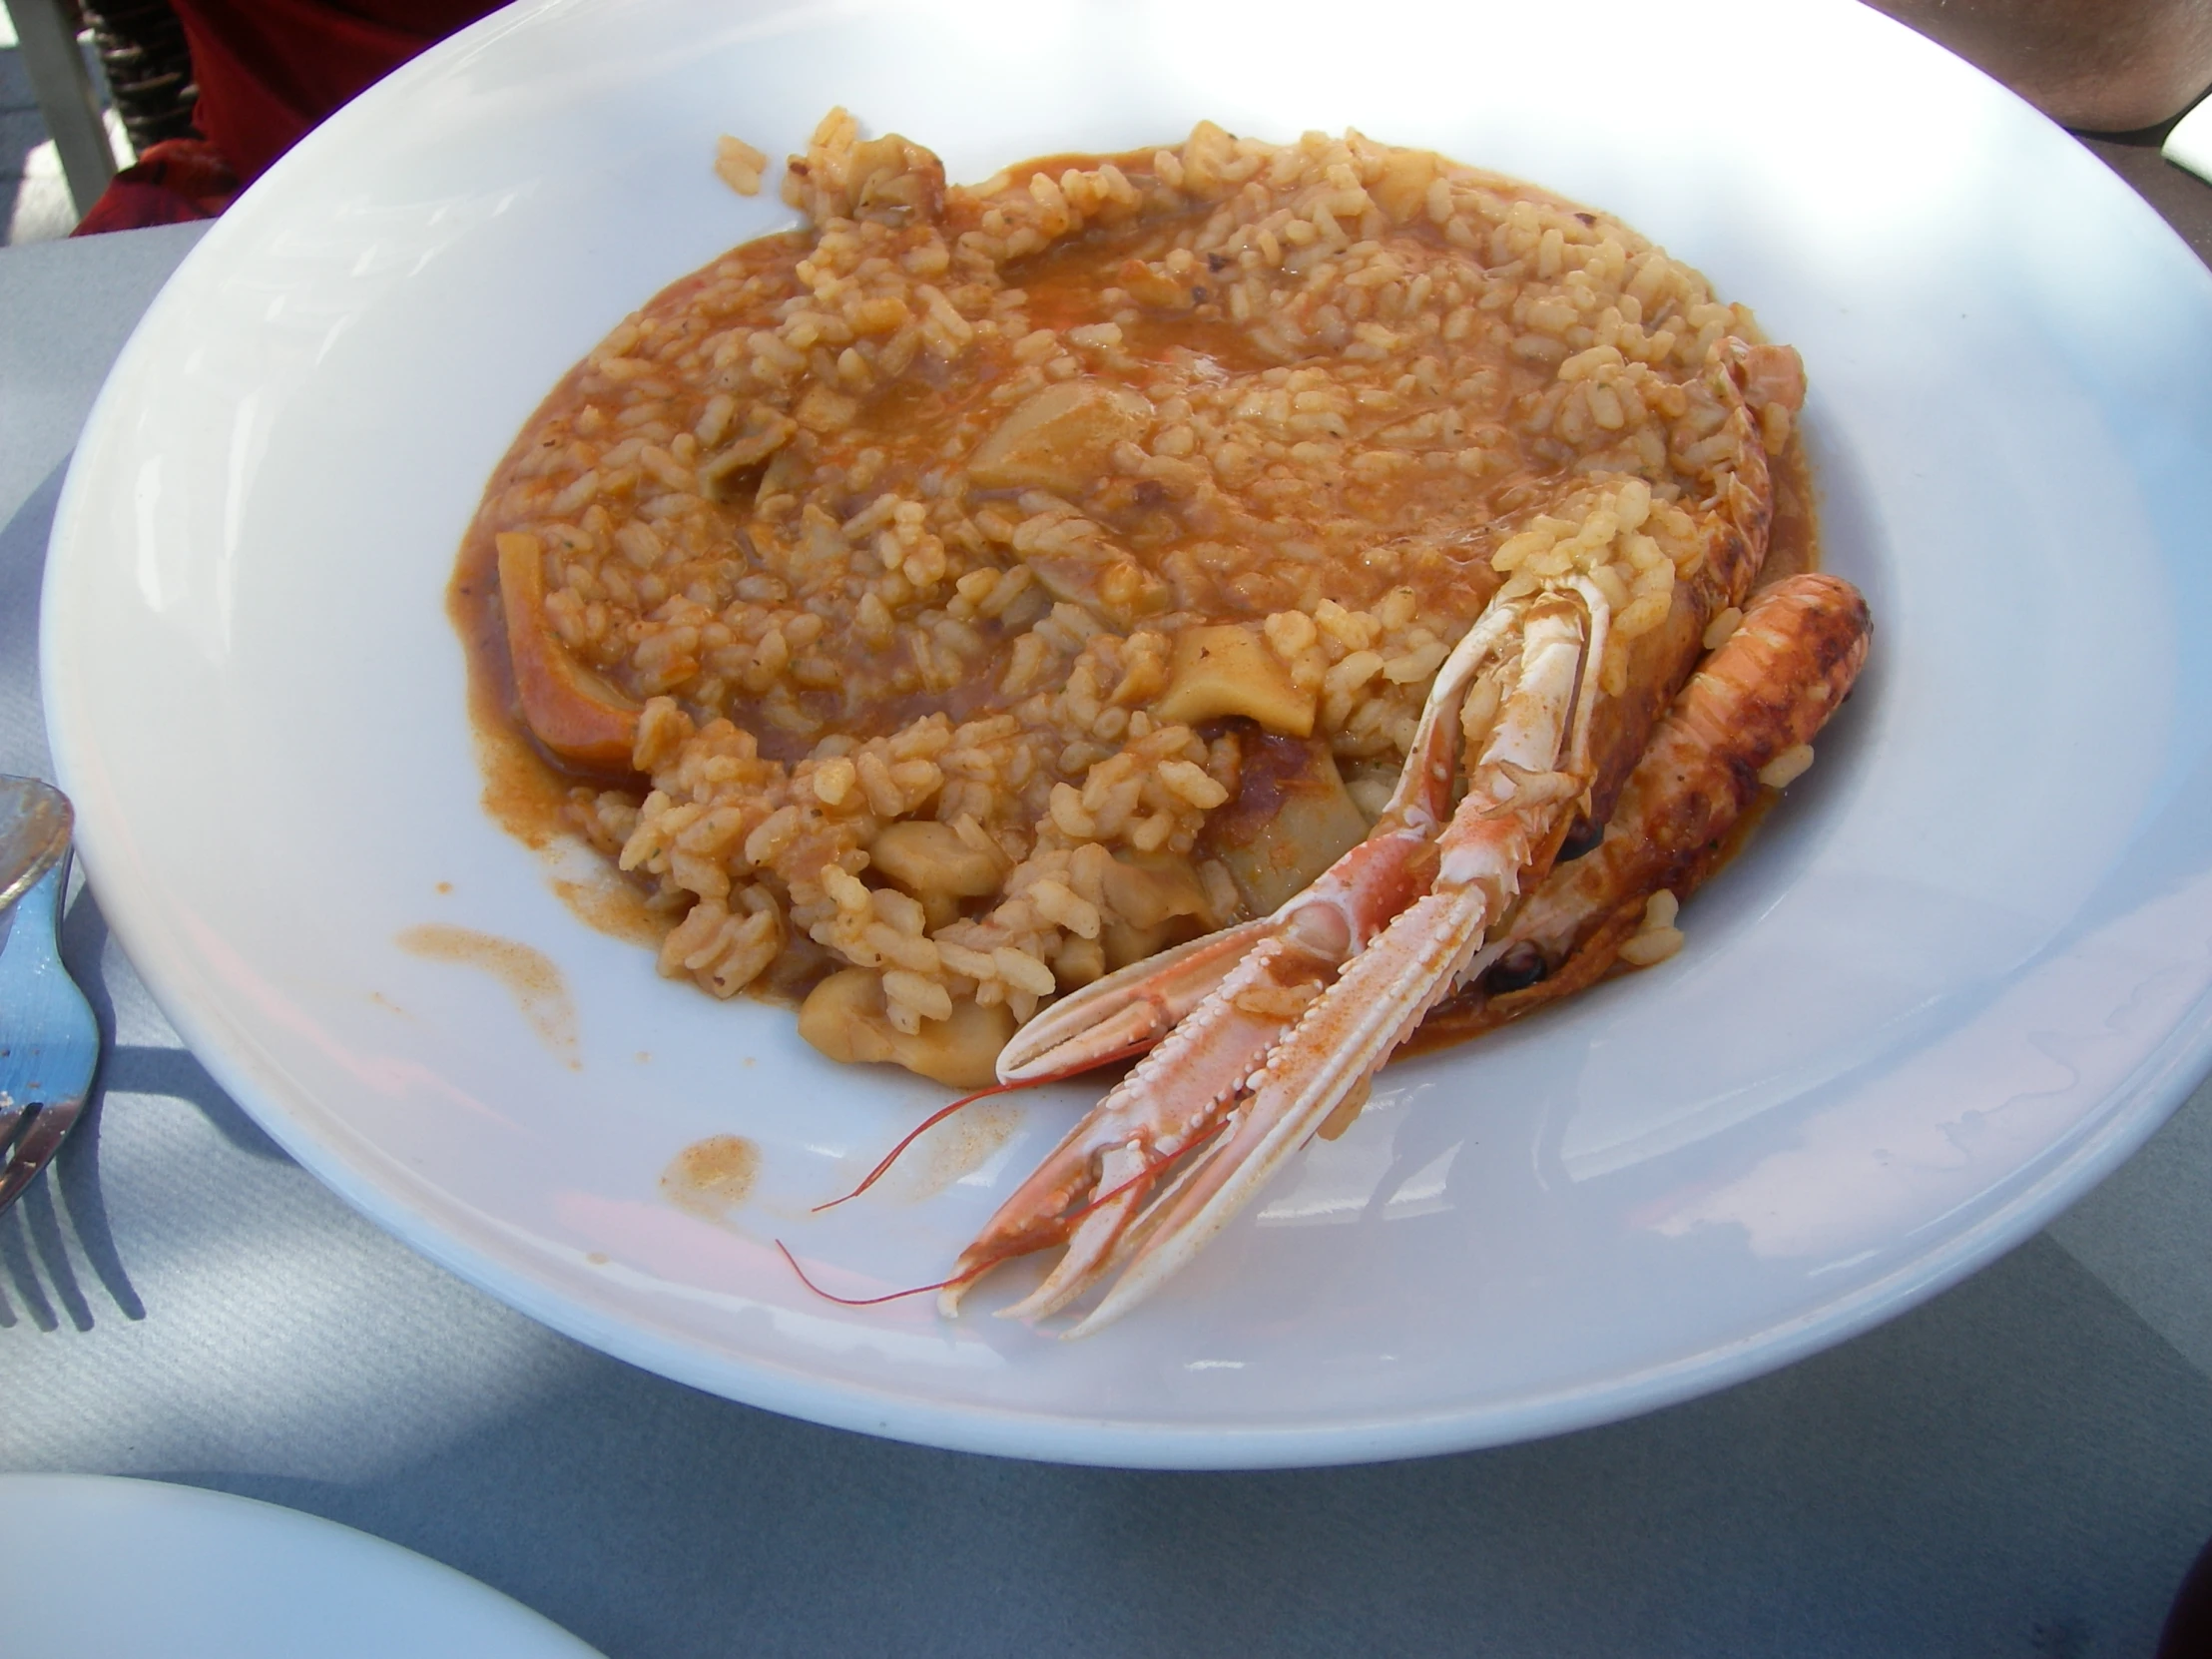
x=270 y=70
x=176 y=180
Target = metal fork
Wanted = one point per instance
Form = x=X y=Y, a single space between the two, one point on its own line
x=49 y=1041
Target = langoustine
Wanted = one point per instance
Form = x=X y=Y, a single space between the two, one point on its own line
x=1270 y=1032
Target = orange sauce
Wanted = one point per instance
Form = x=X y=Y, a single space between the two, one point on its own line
x=529 y=976
x=712 y=1177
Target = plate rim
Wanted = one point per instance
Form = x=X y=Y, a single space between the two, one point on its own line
x=177 y=1506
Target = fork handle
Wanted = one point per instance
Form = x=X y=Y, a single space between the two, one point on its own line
x=41 y=907
x=30 y=960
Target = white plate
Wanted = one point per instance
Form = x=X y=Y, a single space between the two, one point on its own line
x=1960 y=976
x=94 y=1567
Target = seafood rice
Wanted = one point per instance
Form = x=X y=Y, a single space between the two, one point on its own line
x=940 y=607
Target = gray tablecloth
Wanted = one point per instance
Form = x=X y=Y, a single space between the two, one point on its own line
x=2022 y=1467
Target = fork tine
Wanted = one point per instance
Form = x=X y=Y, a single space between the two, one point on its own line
x=42 y=1134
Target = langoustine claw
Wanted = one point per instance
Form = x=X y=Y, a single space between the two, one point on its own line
x=1222 y=1003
